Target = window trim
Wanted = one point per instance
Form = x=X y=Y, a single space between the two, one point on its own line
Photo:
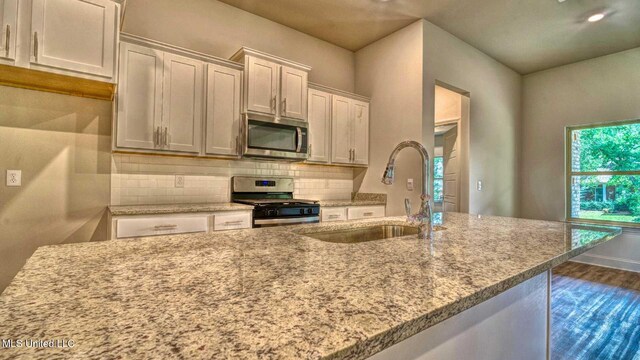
x=569 y=173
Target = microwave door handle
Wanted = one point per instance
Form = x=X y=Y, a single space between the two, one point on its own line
x=299 y=142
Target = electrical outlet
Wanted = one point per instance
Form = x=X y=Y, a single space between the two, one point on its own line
x=479 y=187
x=410 y=184
x=14 y=177
x=179 y=181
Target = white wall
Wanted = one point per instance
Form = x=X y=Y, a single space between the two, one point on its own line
x=219 y=29
x=494 y=119
x=599 y=90
x=62 y=144
x=390 y=72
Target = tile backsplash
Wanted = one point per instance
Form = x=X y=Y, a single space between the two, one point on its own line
x=144 y=179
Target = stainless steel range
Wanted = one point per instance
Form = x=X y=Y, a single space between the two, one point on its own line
x=273 y=201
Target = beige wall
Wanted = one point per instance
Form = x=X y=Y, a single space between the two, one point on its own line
x=599 y=90
x=62 y=145
x=218 y=29
x=494 y=116
x=592 y=91
x=390 y=72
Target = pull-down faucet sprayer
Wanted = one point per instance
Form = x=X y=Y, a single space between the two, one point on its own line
x=423 y=217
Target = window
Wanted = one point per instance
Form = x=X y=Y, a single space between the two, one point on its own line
x=603 y=173
x=438 y=175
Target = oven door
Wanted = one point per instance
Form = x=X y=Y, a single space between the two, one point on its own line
x=280 y=139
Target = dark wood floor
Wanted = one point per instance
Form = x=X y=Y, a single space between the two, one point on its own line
x=595 y=313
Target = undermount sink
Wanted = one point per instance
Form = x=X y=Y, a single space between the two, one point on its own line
x=351 y=236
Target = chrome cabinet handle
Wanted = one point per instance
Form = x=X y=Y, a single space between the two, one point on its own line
x=299 y=147
x=369 y=213
x=284 y=106
x=7 y=38
x=273 y=103
x=165 y=138
x=165 y=227
x=354 y=155
x=310 y=149
x=237 y=145
x=236 y=222
x=334 y=216
x=35 y=46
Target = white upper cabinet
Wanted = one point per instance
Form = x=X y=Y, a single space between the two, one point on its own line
x=262 y=85
x=319 y=126
x=360 y=133
x=274 y=86
x=223 y=110
x=293 y=93
x=75 y=35
x=349 y=131
x=8 y=28
x=182 y=103
x=341 y=128
x=139 y=97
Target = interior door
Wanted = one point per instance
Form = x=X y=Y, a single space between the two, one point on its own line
x=293 y=93
x=262 y=86
x=451 y=154
x=223 y=110
x=139 y=97
x=341 y=130
x=360 y=134
x=8 y=29
x=78 y=35
x=319 y=125
x=182 y=97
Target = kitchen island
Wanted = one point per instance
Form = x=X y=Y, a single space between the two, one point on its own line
x=274 y=292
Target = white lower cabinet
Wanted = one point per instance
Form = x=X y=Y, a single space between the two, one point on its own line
x=328 y=214
x=231 y=220
x=160 y=225
x=333 y=214
x=365 y=212
x=136 y=226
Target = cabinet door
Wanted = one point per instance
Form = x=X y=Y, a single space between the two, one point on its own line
x=77 y=35
x=319 y=125
x=139 y=97
x=360 y=133
x=293 y=93
x=223 y=110
x=262 y=82
x=8 y=29
x=182 y=97
x=341 y=130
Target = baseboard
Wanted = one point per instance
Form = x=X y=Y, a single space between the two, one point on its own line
x=610 y=262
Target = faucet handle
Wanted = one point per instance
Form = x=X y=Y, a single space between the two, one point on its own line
x=407 y=206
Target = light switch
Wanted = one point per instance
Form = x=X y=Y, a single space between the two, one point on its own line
x=410 y=184
x=479 y=185
x=14 y=177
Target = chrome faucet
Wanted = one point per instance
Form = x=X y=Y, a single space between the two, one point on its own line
x=423 y=217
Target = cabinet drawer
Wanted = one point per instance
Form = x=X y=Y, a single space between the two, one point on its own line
x=232 y=220
x=333 y=214
x=365 y=212
x=127 y=228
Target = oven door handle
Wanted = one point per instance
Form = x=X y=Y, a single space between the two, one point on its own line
x=299 y=142
x=300 y=220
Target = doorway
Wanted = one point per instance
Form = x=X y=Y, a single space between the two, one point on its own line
x=450 y=163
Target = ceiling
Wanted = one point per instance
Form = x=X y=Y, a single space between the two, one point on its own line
x=526 y=35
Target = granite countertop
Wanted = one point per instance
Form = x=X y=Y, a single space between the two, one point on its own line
x=273 y=292
x=121 y=210
x=336 y=203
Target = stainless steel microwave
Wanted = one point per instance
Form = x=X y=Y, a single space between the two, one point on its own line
x=275 y=138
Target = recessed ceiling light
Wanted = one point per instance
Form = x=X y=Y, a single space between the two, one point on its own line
x=595 y=17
